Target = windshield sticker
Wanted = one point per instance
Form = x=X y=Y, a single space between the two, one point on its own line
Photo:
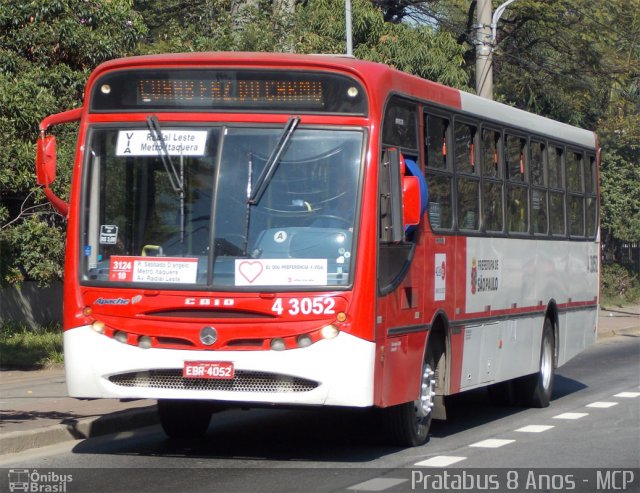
x=281 y=272
x=158 y=269
x=108 y=234
x=177 y=142
x=280 y=237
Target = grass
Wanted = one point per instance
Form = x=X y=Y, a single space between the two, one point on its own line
x=22 y=346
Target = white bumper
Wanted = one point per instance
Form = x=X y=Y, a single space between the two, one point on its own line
x=341 y=367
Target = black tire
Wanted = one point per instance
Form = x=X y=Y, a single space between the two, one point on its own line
x=535 y=390
x=184 y=419
x=408 y=424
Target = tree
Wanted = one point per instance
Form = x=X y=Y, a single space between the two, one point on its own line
x=47 y=48
x=419 y=49
x=573 y=60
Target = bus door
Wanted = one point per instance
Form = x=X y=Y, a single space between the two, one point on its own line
x=400 y=328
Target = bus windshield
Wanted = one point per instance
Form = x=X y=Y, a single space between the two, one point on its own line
x=179 y=211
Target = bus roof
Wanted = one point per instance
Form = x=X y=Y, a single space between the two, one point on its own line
x=373 y=75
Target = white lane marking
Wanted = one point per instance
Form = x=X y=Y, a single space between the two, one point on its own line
x=602 y=405
x=377 y=484
x=571 y=415
x=535 y=428
x=440 y=461
x=628 y=395
x=492 y=443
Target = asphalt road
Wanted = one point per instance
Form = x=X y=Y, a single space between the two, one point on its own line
x=587 y=440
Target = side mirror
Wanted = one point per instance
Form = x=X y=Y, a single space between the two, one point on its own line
x=414 y=193
x=411 y=210
x=46 y=156
x=46 y=160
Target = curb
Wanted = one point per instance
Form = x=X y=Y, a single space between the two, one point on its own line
x=629 y=331
x=625 y=331
x=78 y=429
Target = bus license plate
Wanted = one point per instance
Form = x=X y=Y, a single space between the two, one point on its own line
x=220 y=370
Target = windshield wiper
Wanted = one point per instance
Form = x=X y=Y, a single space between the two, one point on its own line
x=272 y=163
x=165 y=157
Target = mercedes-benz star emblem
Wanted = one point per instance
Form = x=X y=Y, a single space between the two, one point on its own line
x=208 y=335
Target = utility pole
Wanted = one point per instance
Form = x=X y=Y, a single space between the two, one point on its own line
x=347 y=20
x=486 y=30
x=484 y=50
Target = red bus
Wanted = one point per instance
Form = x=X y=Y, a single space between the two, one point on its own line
x=266 y=229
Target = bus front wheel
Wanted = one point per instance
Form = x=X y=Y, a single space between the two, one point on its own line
x=535 y=390
x=184 y=419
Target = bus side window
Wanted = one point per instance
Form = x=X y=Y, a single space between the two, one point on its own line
x=438 y=172
x=517 y=209
x=538 y=193
x=517 y=194
x=468 y=179
x=516 y=158
x=492 y=185
x=490 y=146
x=592 y=200
x=436 y=142
x=556 y=191
x=575 y=189
x=468 y=203
x=464 y=138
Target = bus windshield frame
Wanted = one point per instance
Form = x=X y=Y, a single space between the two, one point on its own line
x=180 y=216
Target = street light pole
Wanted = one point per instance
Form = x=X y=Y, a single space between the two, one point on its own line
x=486 y=30
x=484 y=50
x=347 y=17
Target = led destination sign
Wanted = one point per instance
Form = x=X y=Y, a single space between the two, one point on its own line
x=216 y=92
x=228 y=90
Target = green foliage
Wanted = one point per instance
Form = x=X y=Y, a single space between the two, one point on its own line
x=36 y=247
x=620 y=177
x=30 y=347
x=47 y=50
x=417 y=49
x=619 y=285
x=214 y=25
x=572 y=60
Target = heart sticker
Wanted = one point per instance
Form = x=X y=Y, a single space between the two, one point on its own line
x=250 y=270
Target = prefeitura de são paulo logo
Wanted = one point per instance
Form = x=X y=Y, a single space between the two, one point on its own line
x=38 y=482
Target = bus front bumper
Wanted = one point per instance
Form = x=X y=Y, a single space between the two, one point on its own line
x=337 y=372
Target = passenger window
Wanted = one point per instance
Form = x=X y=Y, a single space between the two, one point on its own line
x=590 y=175
x=517 y=205
x=576 y=216
x=539 y=211
x=556 y=213
x=492 y=200
x=490 y=146
x=400 y=128
x=515 y=157
x=555 y=167
x=592 y=216
x=468 y=204
x=538 y=163
x=464 y=139
x=574 y=172
x=436 y=142
x=440 y=215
